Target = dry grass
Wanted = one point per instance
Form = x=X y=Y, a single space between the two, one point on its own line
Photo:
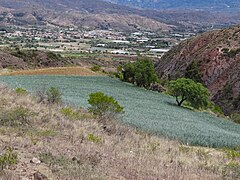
x=78 y=71
x=87 y=148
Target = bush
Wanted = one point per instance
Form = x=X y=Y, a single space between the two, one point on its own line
x=53 y=95
x=94 y=138
x=52 y=55
x=21 y=91
x=96 y=68
x=141 y=73
x=188 y=90
x=193 y=72
x=216 y=109
x=19 y=116
x=235 y=117
x=70 y=113
x=103 y=105
x=7 y=158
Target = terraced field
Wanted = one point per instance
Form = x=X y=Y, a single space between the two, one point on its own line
x=79 y=71
x=147 y=110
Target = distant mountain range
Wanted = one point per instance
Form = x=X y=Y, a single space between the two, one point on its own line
x=215 y=5
x=81 y=13
x=92 y=14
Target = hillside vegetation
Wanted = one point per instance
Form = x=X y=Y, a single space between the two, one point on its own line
x=52 y=143
x=215 y=56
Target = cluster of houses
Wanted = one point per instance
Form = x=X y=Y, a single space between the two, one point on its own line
x=110 y=41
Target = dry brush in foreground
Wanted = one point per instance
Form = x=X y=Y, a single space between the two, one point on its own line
x=73 y=144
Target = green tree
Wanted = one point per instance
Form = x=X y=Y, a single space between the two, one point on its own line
x=103 y=105
x=140 y=73
x=187 y=90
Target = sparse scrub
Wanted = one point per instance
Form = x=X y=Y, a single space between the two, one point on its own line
x=215 y=109
x=7 y=158
x=235 y=117
x=16 y=117
x=86 y=150
x=21 y=91
x=233 y=154
x=231 y=170
x=96 y=68
x=54 y=95
x=70 y=113
x=93 y=138
x=193 y=72
x=51 y=95
x=52 y=55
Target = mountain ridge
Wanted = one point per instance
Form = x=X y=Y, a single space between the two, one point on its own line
x=106 y=15
x=220 y=5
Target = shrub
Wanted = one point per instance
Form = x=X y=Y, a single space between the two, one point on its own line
x=236 y=102
x=70 y=113
x=93 y=138
x=231 y=170
x=54 y=95
x=103 y=105
x=41 y=95
x=233 y=154
x=52 y=55
x=7 y=158
x=19 y=116
x=188 y=90
x=235 y=117
x=193 y=72
x=21 y=91
x=216 y=109
x=141 y=73
x=96 y=68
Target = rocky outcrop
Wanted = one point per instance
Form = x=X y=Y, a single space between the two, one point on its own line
x=217 y=54
x=30 y=59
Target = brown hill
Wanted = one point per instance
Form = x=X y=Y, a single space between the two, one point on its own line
x=104 y=15
x=217 y=54
x=79 y=13
x=30 y=59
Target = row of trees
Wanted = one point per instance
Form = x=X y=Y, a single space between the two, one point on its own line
x=190 y=89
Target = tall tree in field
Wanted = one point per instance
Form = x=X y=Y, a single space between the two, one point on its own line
x=187 y=90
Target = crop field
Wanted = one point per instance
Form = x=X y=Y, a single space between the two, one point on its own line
x=79 y=71
x=150 y=111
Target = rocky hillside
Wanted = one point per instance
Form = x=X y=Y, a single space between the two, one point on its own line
x=217 y=55
x=79 y=13
x=12 y=59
